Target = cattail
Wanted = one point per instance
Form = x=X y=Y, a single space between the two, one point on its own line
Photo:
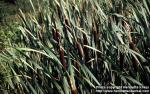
x=76 y=66
x=80 y=49
x=74 y=91
x=62 y=58
x=57 y=36
x=73 y=86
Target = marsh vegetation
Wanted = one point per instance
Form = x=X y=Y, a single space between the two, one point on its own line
x=72 y=46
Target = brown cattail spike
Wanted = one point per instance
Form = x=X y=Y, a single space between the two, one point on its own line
x=80 y=49
x=62 y=58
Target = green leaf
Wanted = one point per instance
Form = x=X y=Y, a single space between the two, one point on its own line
x=88 y=81
x=91 y=75
x=133 y=80
x=58 y=87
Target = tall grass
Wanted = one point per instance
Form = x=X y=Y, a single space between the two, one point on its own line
x=70 y=47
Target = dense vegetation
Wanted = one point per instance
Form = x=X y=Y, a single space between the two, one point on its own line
x=72 y=46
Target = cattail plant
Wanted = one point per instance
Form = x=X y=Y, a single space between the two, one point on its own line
x=70 y=47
